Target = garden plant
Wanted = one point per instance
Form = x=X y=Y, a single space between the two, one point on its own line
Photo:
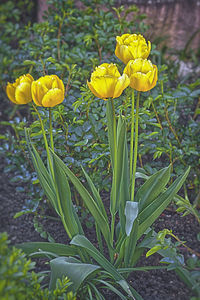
x=100 y=138
x=132 y=213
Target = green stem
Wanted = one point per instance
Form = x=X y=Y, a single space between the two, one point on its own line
x=50 y=130
x=135 y=147
x=132 y=134
x=45 y=140
x=114 y=169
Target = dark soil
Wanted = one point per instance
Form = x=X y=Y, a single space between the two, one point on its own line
x=152 y=285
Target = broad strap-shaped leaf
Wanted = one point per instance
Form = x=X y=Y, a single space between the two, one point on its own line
x=72 y=268
x=64 y=200
x=44 y=178
x=82 y=241
x=130 y=245
x=156 y=207
x=88 y=200
x=96 y=195
x=152 y=187
x=57 y=248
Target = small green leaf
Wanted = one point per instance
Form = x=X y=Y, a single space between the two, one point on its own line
x=153 y=250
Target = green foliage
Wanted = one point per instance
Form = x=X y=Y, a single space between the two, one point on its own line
x=18 y=281
x=187 y=269
x=53 y=47
x=70 y=43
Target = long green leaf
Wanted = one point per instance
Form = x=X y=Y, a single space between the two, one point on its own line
x=45 y=179
x=130 y=245
x=88 y=201
x=142 y=269
x=82 y=241
x=112 y=288
x=72 y=268
x=96 y=195
x=155 y=208
x=57 y=248
x=64 y=196
x=152 y=187
x=44 y=176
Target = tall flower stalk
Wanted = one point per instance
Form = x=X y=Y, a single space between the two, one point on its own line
x=50 y=129
x=132 y=134
x=135 y=147
x=45 y=139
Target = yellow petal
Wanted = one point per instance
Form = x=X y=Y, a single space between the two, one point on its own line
x=46 y=81
x=155 y=76
x=122 y=83
x=104 y=86
x=123 y=53
x=140 y=82
x=93 y=90
x=23 y=93
x=38 y=91
x=10 y=91
x=52 y=98
x=99 y=71
x=122 y=39
x=60 y=84
x=146 y=66
x=26 y=78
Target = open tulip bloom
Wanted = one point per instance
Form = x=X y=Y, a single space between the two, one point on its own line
x=106 y=82
x=48 y=91
x=132 y=46
x=136 y=211
x=142 y=73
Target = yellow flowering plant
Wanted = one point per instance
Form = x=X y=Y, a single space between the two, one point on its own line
x=136 y=211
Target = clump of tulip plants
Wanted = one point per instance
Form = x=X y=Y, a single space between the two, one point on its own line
x=88 y=267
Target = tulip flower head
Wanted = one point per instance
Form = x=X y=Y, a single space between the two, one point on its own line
x=48 y=91
x=142 y=73
x=106 y=81
x=132 y=46
x=19 y=92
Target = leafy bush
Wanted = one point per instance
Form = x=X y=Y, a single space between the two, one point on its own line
x=18 y=282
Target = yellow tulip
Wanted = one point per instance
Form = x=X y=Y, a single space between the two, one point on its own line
x=19 y=92
x=142 y=73
x=106 y=81
x=48 y=91
x=132 y=46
